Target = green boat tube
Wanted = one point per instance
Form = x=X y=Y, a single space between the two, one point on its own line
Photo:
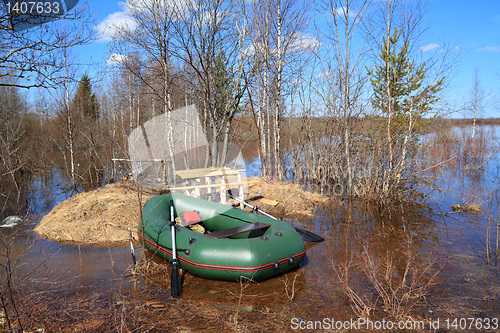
x=236 y=244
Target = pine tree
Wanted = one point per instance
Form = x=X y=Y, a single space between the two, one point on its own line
x=398 y=85
x=402 y=97
x=85 y=102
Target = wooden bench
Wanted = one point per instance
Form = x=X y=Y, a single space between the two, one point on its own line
x=238 y=230
x=217 y=178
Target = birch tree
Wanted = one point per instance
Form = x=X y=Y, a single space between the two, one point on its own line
x=344 y=80
x=67 y=118
x=149 y=40
x=210 y=39
x=476 y=102
x=279 y=46
x=11 y=148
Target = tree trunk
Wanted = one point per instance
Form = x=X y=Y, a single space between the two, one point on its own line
x=388 y=176
x=69 y=123
x=277 y=157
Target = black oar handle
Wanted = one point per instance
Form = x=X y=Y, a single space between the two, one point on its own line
x=175 y=280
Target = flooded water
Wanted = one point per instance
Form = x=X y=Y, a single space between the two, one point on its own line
x=46 y=274
x=449 y=255
x=75 y=266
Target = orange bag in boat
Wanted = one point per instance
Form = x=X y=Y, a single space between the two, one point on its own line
x=188 y=218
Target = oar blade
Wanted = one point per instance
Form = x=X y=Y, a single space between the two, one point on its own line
x=308 y=236
x=175 y=282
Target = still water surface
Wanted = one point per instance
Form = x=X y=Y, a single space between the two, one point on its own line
x=466 y=285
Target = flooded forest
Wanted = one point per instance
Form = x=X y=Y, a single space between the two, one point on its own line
x=334 y=97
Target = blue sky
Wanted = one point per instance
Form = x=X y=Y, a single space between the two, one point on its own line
x=473 y=29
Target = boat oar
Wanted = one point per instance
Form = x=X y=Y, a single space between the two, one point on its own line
x=175 y=280
x=306 y=235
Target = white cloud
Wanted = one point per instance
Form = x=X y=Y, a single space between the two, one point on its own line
x=430 y=47
x=116 y=59
x=159 y=6
x=251 y=50
x=108 y=28
x=300 y=42
x=494 y=49
x=342 y=11
x=324 y=75
x=304 y=42
x=123 y=19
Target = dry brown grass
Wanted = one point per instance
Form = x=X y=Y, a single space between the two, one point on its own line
x=397 y=283
x=103 y=216
x=98 y=217
x=292 y=199
x=468 y=208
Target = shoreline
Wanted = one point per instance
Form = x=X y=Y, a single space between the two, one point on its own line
x=104 y=216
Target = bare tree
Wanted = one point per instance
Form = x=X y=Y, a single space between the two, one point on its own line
x=148 y=56
x=476 y=102
x=31 y=58
x=355 y=150
x=342 y=71
x=68 y=116
x=12 y=110
x=278 y=47
x=215 y=43
x=210 y=40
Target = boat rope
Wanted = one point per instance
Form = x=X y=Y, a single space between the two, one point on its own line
x=157 y=245
x=222 y=267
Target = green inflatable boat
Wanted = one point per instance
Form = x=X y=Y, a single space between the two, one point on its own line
x=234 y=244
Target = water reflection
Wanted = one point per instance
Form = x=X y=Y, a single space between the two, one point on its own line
x=37 y=193
x=46 y=190
x=355 y=232
x=43 y=261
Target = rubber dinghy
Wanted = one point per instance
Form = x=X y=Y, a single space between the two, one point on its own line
x=236 y=243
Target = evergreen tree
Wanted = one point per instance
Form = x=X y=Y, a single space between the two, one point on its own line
x=398 y=86
x=85 y=102
x=402 y=97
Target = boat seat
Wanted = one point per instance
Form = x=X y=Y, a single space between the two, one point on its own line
x=238 y=230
